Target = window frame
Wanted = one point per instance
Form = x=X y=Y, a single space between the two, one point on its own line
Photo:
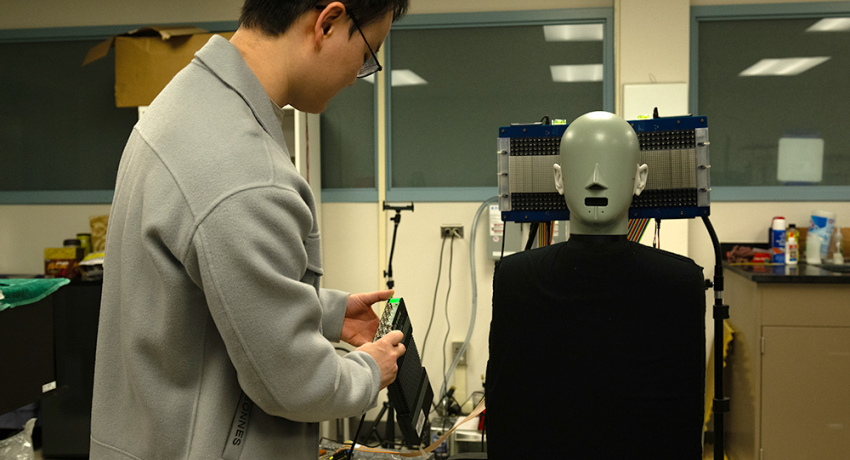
x=754 y=12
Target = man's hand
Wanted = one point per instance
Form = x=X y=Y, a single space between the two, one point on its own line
x=386 y=351
x=361 y=322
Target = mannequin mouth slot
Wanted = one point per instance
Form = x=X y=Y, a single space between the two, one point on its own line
x=596 y=201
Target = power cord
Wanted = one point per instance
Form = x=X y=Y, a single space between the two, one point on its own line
x=356 y=435
x=532 y=233
x=657 y=234
x=434 y=304
x=448 y=322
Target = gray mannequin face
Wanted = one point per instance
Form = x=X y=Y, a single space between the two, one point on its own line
x=598 y=173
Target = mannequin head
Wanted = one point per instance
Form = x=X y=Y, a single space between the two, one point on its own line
x=599 y=173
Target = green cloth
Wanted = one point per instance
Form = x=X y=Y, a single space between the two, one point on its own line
x=18 y=292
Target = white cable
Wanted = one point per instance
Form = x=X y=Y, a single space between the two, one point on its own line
x=463 y=347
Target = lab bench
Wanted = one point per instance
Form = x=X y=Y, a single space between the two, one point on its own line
x=788 y=366
x=49 y=357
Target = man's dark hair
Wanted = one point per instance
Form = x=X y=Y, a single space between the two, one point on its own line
x=274 y=17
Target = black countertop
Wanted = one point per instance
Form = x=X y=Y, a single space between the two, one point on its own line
x=799 y=274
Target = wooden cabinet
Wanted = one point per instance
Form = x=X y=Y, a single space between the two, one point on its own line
x=788 y=369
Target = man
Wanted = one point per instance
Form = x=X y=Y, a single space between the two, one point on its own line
x=215 y=340
x=597 y=345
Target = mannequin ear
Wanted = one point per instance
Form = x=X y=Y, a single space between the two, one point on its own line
x=640 y=178
x=326 y=21
x=559 y=179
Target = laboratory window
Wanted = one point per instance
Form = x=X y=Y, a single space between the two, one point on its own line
x=774 y=88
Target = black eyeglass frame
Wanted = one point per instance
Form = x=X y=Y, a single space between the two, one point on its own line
x=368 y=68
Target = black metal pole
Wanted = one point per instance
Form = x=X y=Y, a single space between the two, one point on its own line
x=389 y=441
x=721 y=312
x=388 y=273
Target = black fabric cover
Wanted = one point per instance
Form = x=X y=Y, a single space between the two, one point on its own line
x=597 y=350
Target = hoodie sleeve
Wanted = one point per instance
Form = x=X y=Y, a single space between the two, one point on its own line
x=252 y=259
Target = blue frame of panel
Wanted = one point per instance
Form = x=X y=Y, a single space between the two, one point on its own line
x=648 y=125
x=764 y=11
x=500 y=18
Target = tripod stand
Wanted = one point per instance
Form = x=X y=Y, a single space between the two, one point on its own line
x=721 y=312
x=388 y=441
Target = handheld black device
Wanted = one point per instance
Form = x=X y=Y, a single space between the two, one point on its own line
x=411 y=394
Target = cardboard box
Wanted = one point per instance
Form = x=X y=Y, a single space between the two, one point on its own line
x=147 y=59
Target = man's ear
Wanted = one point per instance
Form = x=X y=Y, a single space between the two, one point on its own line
x=559 y=179
x=640 y=178
x=327 y=21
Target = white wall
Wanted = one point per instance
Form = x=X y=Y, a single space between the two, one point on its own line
x=652 y=46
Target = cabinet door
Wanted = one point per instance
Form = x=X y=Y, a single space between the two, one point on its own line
x=806 y=393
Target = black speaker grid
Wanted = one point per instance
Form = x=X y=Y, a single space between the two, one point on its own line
x=667 y=140
x=537 y=202
x=524 y=146
x=670 y=198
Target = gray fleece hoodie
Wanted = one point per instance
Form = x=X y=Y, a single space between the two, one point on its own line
x=215 y=340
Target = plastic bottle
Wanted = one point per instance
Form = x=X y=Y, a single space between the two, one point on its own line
x=777 y=240
x=838 y=254
x=792 y=230
x=792 y=250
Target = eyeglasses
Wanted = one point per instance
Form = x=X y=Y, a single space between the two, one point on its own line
x=371 y=65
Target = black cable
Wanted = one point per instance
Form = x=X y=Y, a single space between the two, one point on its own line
x=448 y=322
x=433 y=304
x=532 y=232
x=504 y=237
x=342 y=349
x=356 y=435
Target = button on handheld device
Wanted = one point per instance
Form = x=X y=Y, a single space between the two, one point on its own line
x=411 y=393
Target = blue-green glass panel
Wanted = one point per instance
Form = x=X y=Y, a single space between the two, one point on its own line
x=478 y=79
x=348 y=138
x=749 y=115
x=59 y=127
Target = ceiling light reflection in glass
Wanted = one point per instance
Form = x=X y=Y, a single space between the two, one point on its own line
x=401 y=77
x=782 y=67
x=574 y=33
x=831 y=25
x=576 y=73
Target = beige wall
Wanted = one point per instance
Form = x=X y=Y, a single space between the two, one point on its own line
x=26 y=230
x=652 y=46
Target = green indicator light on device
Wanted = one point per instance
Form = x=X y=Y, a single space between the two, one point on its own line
x=395 y=300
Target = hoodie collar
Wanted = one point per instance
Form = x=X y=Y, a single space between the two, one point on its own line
x=227 y=63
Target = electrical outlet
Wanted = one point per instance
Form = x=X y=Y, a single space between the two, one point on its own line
x=455 y=349
x=446 y=230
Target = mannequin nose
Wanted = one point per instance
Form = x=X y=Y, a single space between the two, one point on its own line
x=596 y=183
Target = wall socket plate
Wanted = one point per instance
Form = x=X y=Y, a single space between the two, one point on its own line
x=455 y=349
x=447 y=229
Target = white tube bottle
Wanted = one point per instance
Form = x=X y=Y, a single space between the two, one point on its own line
x=792 y=250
